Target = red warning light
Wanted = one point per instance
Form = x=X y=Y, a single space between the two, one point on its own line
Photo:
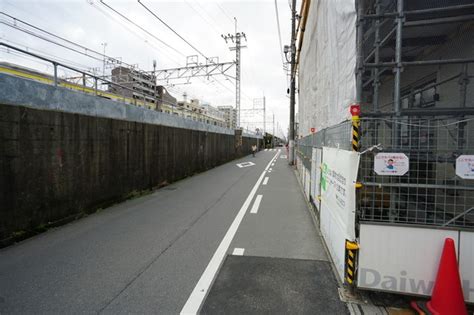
x=355 y=110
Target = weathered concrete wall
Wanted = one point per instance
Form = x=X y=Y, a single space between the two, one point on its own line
x=59 y=159
x=55 y=164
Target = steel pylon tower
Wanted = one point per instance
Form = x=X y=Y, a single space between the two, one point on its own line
x=237 y=39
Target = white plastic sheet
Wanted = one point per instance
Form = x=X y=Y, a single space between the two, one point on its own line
x=327 y=81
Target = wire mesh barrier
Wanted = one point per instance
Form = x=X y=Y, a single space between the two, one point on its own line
x=337 y=136
x=430 y=192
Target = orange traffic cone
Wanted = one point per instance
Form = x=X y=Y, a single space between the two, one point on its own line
x=447 y=297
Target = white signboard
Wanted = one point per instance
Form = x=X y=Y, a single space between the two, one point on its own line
x=392 y=164
x=397 y=258
x=465 y=166
x=338 y=179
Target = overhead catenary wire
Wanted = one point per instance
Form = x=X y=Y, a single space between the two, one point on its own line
x=225 y=13
x=86 y=49
x=171 y=29
x=202 y=17
x=143 y=29
x=177 y=34
x=49 y=40
x=279 y=35
x=134 y=32
x=77 y=48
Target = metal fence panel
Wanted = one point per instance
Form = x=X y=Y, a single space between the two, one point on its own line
x=430 y=193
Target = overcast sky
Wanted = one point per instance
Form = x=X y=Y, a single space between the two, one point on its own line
x=201 y=22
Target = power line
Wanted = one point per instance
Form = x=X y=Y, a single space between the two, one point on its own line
x=223 y=11
x=50 y=40
x=143 y=29
x=171 y=29
x=279 y=33
x=56 y=36
x=202 y=17
x=126 y=27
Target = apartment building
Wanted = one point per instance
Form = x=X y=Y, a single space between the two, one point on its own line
x=230 y=116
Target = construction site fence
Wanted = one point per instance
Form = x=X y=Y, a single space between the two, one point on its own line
x=430 y=193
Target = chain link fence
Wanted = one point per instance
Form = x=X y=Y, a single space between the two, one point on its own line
x=337 y=136
x=430 y=193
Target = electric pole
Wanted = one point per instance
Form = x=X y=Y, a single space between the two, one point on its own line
x=103 y=66
x=237 y=39
x=273 y=134
x=291 y=144
x=264 y=117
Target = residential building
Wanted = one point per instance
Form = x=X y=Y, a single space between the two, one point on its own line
x=230 y=116
x=135 y=84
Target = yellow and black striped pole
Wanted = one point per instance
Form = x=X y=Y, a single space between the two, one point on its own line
x=351 y=259
x=352 y=248
x=355 y=111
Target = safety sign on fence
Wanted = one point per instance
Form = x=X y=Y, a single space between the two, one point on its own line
x=392 y=164
x=465 y=166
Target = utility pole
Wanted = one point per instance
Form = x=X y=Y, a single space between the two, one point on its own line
x=291 y=145
x=236 y=38
x=264 y=117
x=273 y=138
x=103 y=66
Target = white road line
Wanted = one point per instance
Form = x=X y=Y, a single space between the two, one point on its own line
x=256 y=204
x=273 y=164
x=273 y=160
x=271 y=169
x=200 y=291
x=238 y=251
x=265 y=181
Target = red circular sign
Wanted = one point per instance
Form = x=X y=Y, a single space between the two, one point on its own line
x=313 y=130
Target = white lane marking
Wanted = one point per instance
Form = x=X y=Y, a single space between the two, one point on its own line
x=238 y=251
x=282 y=156
x=193 y=304
x=273 y=160
x=265 y=181
x=245 y=164
x=273 y=164
x=256 y=204
x=266 y=149
x=271 y=169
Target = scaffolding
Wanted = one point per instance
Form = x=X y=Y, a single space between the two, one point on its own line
x=413 y=84
x=415 y=87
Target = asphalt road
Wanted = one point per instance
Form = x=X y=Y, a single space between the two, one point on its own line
x=146 y=255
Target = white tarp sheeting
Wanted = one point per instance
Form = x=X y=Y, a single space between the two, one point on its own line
x=327 y=82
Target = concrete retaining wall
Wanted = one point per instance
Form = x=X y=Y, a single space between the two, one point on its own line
x=55 y=164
